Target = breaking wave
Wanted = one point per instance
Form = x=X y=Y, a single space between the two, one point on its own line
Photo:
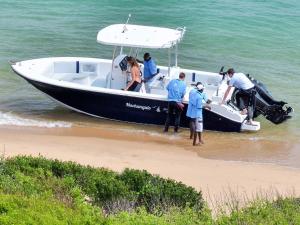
x=14 y=120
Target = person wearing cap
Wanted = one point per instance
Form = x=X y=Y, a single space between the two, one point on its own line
x=176 y=91
x=194 y=112
x=246 y=95
x=150 y=70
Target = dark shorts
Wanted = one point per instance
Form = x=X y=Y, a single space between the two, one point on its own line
x=135 y=86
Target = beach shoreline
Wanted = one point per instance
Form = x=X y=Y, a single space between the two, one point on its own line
x=117 y=150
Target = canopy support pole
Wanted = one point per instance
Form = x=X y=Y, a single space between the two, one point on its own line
x=169 y=63
x=176 y=53
x=112 y=66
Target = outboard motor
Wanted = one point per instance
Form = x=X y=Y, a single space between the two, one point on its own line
x=274 y=111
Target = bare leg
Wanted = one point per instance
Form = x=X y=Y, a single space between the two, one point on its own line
x=168 y=119
x=200 y=137
x=191 y=134
x=177 y=118
x=192 y=128
x=244 y=111
x=250 y=116
x=195 y=138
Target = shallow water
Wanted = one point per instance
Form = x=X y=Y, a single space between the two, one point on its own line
x=256 y=37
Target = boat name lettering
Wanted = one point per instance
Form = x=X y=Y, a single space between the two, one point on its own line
x=142 y=107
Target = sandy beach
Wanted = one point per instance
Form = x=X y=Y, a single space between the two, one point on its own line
x=157 y=154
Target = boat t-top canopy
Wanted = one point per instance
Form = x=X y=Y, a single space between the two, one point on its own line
x=128 y=35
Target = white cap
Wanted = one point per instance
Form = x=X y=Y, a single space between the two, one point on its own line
x=200 y=87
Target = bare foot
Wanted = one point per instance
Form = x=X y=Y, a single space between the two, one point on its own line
x=197 y=144
x=251 y=123
x=202 y=142
x=244 y=112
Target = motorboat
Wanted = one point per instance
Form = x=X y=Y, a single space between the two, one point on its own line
x=95 y=86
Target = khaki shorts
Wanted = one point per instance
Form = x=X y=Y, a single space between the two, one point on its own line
x=198 y=125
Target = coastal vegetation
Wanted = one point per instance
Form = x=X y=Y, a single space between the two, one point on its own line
x=35 y=190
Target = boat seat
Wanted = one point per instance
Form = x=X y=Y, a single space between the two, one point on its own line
x=99 y=82
x=159 y=92
x=212 y=82
x=70 y=76
x=73 y=71
x=158 y=82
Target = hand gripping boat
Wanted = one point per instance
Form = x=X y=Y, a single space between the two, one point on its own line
x=93 y=86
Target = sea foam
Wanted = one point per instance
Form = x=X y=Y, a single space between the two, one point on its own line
x=171 y=136
x=14 y=120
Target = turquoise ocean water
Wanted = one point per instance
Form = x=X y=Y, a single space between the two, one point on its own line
x=257 y=37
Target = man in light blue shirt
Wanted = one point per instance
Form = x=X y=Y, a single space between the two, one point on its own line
x=194 y=111
x=176 y=91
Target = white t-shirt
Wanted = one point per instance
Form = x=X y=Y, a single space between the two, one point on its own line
x=240 y=81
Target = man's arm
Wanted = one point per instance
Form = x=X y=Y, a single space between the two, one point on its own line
x=207 y=106
x=183 y=90
x=207 y=101
x=153 y=68
x=139 y=61
x=168 y=86
x=226 y=94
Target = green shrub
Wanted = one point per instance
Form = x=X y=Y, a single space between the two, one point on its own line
x=132 y=188
x=280 y=212
x=16 y=209
x=27 y=165
x=178 y=216
x=135 y=179
x=108 y=188
x=160 y=194
x=41 y=191
x=21 y=184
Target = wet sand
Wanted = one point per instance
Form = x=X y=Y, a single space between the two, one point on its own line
x=168 y=155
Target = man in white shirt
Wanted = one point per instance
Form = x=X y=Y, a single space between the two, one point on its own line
x=245 y=96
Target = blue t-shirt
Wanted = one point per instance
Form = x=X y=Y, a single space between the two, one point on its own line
x=176 y=90
x=149 y=68
x=194 y=109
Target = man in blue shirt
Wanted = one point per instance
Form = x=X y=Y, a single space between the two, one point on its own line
x=150 y=70
x=194 y=111
x=176 y=91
